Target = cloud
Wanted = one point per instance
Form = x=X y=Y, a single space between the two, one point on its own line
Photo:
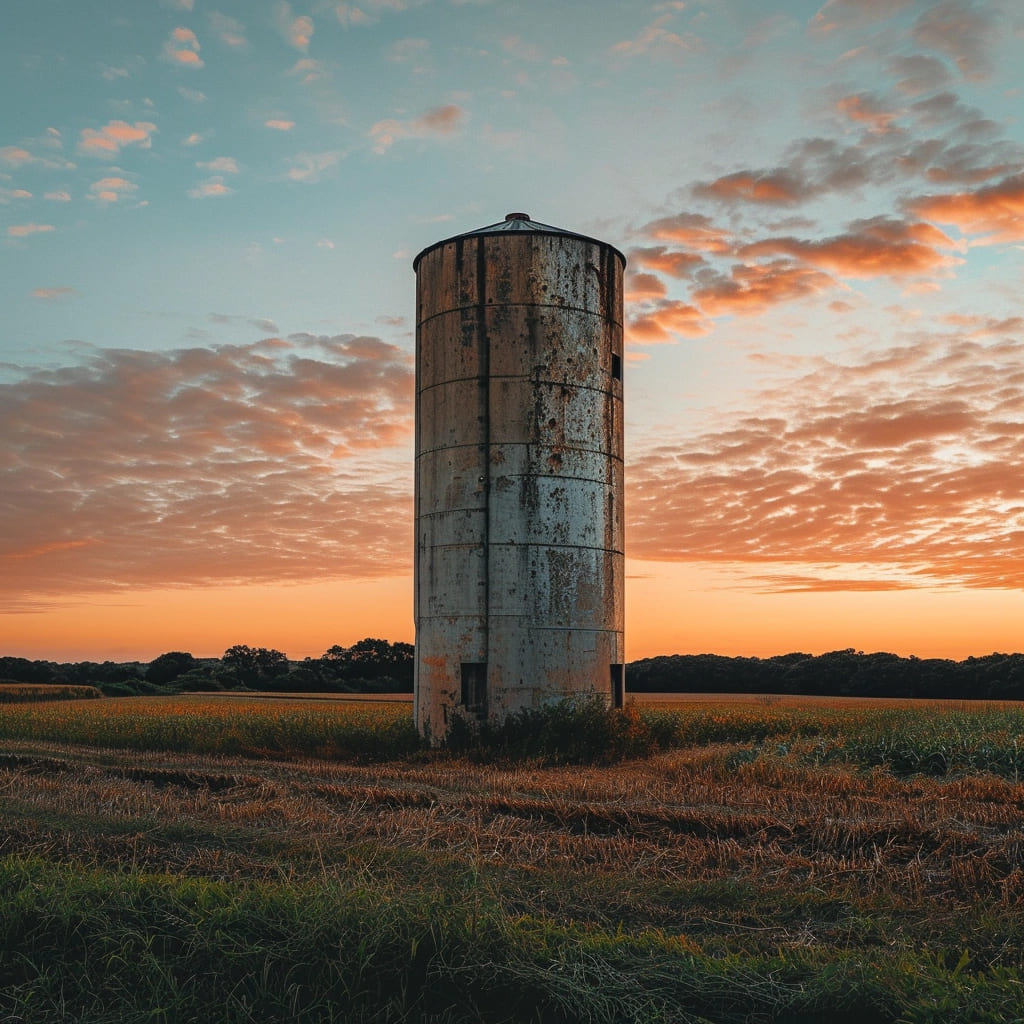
x=879 y=247
x=192 y=95
x=665 y=321
x=8 y=194
x=918 y=74
x=841 y=14
x=221 y=165
x=964 y=31
x=265 y=462
x=673 y=262
x=52 y=294
x=182 y=48
x=309 y=168
x=24 y=230
x=996 y=211
x=308 y=70
x=897 y=459
x=213 y=188
x=228 y=30
x=279 y=125
x=108 y=141
x=58 y=197
x=297 y=31
x=866 y=108
x=403 y=50
x=439 y=122
x=111 y=189
x=656 y=40
x=693 y=230
x=349 y=15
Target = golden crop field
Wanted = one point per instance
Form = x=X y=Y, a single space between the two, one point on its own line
x=772 y=862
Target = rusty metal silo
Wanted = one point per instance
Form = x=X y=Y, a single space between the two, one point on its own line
x=519 y=471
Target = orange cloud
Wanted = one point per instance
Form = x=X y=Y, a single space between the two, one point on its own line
x=50 y=294
x=867 y=109
x=778 y=186
x=297 y=31
x=899 y=461
x=108 y=140
x=640 y=287
x=872 y=248
x=752 y=288
x=281 y=460
x=437 y=123
x=673 y=262
x=214 y=188
x=279 y=125
x=668 y=320
x=996 y=211
x=23 y=230
x=690 y=229
x=111 y=189
x=183 y=48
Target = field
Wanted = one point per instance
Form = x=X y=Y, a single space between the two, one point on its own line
x=218 y=859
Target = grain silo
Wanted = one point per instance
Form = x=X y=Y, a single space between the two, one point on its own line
x=519 y=471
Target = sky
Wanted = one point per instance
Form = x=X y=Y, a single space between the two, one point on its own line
x=208 y=215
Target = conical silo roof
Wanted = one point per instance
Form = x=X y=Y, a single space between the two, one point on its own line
x=517 y=222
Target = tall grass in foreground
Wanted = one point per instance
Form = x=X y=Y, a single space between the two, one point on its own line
x=102 y=947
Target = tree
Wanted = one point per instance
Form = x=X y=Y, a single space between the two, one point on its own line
x=372 y=663
x=255 y=665
x=166 y=668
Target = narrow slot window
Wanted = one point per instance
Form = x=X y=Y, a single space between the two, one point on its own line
x=616 y=366
x=474 y=688
x=618 y=686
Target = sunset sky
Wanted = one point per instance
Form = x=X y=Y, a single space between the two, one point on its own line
x=208 y=215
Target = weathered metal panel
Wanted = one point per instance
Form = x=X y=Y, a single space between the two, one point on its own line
x=520 y=538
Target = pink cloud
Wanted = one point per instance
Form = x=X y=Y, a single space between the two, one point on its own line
x=279 y=125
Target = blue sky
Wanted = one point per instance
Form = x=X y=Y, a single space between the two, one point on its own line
x=208 y=214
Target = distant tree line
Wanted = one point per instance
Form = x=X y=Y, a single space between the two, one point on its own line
x=378 y=666
x=369 y=666
x=846 y=673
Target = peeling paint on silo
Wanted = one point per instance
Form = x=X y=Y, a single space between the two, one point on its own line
x=519 y=560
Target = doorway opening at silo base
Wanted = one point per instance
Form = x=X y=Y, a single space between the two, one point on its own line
x=474 y=688
x=618 y=686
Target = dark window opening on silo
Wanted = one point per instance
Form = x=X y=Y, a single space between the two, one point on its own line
x=474 y=687
x=616 y=366
x=618 y=686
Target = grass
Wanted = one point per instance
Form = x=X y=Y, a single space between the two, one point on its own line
x=190 y=859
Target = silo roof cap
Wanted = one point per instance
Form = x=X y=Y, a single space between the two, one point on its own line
x=517 y=222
